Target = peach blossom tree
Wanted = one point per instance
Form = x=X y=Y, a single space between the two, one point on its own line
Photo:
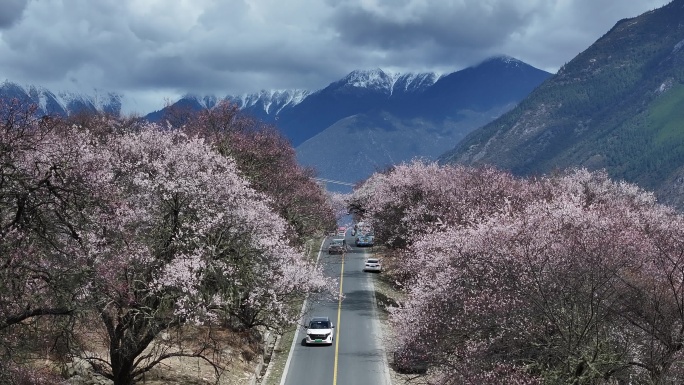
x=571 y=278
x=147 y=228
x=48 y=203
x=268 y=161
x=188 y=241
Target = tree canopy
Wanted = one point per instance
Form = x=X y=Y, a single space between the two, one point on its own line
x=143 y=229
x=567 y=278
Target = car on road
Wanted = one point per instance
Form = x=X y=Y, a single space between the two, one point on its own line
x=373 y=264
x=341 y=232
x=337 y=246
x=319 y=331
x=364 y=240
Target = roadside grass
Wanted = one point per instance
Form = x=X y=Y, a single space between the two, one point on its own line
x=279 y=358
x=281 y=350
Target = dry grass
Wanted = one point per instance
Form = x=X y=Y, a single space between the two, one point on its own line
x=278 y=359
x=231 y=357
x=237 y=354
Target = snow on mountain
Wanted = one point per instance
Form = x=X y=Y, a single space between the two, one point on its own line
x=73 y=102
x=265 y=103
x=270 y=101
x=510 y=61
x=374 y=79
x=415 y=82
x=63 y=103
x=202 y=101
x=388 y=82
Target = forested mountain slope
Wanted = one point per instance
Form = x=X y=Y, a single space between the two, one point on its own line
x=616 y=106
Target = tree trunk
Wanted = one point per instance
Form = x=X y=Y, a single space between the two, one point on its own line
x=122 y=370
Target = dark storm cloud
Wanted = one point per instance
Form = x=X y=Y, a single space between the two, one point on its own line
x=449 y=25
x=11 y=11
x=153 y=50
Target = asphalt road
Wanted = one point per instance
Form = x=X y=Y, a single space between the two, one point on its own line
x=357 y=356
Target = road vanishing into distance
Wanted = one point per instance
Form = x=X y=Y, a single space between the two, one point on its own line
x=357 y=355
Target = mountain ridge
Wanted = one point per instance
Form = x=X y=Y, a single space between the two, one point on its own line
x=62 y=103
x=615 y=106
x=301 y=114
x=380 y=116
x=424 y=123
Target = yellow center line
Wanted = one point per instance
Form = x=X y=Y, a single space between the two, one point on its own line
x=339 y=312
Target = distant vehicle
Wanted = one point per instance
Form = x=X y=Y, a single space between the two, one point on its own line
x=364 y=240
x=337 y=246
x=341 y=231
x=319 y=331
x=372 y=264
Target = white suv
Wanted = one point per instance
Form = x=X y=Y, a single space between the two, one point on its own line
x=319 y=331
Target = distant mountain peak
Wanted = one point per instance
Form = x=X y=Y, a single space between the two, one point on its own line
x=505 y=59
x=109 y=102
x=64 y=103
x=203 y=101
x=270 y=101
x=378 y=79
x=375 y=78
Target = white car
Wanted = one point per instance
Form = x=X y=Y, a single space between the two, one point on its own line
x=372 y=264
x=319 y=331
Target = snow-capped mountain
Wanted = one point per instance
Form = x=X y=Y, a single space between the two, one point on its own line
x=387 y=82
x=390 y=84
x=410 y=83
x=367 y=120
x=418 y=116
x=265 y=104
x=270 y=102
x=300 y=114
x=358 y=92
x=62 y=103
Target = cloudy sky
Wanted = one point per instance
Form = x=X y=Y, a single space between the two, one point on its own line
x=153 y=51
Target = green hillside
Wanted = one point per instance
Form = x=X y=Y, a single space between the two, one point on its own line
x=619 y=106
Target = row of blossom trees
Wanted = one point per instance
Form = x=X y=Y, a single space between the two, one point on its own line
x=143 y=230
x=267 y=160
x=563 y=279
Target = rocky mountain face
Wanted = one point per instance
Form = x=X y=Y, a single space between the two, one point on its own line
x=616 y=106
